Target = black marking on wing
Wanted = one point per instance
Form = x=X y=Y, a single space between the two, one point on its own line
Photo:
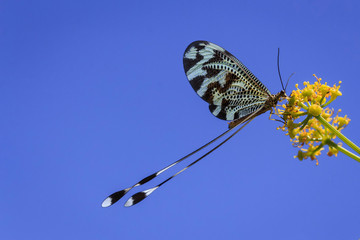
x=223 y=81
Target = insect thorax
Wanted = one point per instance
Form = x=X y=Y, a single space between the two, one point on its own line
x=274 y=99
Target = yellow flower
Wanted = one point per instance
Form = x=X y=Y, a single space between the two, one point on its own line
x=301 y=119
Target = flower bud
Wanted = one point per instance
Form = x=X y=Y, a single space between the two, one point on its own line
x=324 y=89
x=293 y=132
x=332 y=151
x=342 y=121
x=300 y=155
x=315 y=110
x=307 y=92
x=334 y=93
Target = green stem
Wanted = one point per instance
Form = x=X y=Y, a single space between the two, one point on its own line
x=343 y=150
x=299 y=114
x=348 y=153
x=338 y=134
x=306 y=120
x=321 y=100
x=318 y=148
x=327 y=103
x=303 y=106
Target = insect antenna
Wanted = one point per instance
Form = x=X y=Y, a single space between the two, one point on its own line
x=116 y=196
x=278 y=66
x=138 y=197
x=288 y=80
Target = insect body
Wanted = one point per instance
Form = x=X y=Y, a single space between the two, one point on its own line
x=233 y=94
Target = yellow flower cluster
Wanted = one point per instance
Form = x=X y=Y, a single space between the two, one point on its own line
x=301 y=117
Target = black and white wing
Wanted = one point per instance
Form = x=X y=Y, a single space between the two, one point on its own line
x=223 y=81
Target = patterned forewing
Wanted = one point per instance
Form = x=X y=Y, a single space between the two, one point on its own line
x=223 y=81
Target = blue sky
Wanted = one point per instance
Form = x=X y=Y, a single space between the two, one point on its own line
x=93 y=98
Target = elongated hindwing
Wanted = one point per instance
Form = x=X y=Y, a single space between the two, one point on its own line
x=223 y=81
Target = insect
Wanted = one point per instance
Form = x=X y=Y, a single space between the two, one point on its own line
x=233 y=94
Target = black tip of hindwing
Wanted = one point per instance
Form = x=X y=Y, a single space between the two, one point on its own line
x=113 y=198
x=138 y=197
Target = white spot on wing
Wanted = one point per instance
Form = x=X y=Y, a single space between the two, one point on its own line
x=217 y=110
x=194 y=72
x=239 y=84
x=197 y=70
x=221 y=78
x=216 y=47
x=191 y=54
x=129 y=202
x=204 y=86
x=107 y=202
x=149 y=191
x=230 y=115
